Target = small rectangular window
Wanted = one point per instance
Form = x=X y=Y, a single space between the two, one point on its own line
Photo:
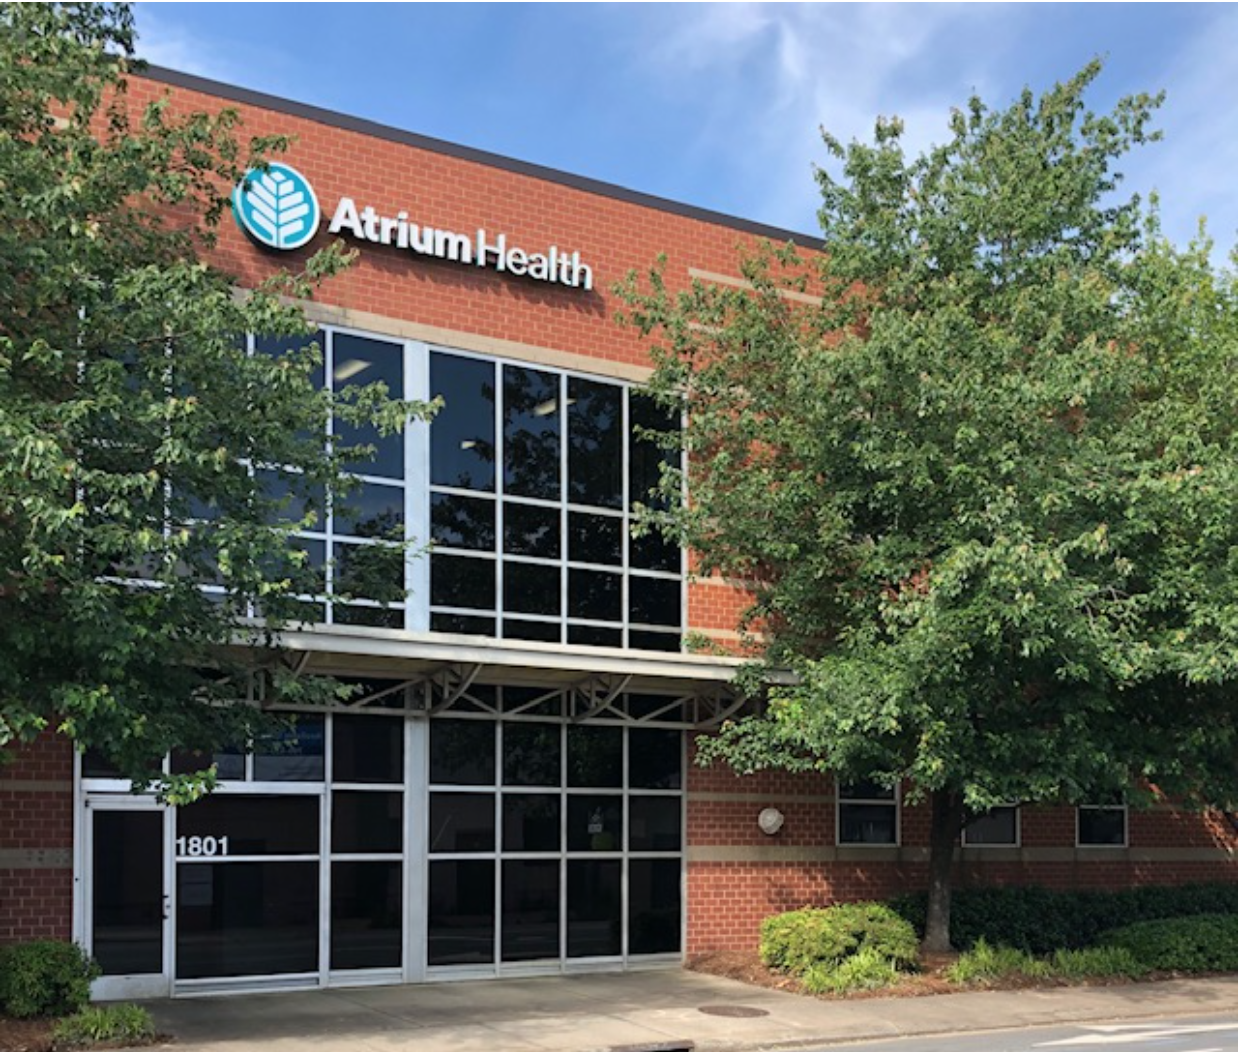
x=867 y=813
x=998 y=827
x=1101 y=826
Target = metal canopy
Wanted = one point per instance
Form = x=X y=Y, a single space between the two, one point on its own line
x=433 y=673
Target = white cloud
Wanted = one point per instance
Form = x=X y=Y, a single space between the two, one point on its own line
x=163 y=44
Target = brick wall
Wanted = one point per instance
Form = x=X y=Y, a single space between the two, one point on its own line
x=737 y=875
x=36 y=841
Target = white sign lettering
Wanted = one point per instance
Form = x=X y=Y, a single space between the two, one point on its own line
x=553 y=265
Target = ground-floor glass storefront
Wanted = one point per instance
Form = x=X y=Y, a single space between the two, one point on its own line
x=502 y=835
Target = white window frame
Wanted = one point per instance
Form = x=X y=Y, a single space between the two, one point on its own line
x=894 y=801
x=1123 y=808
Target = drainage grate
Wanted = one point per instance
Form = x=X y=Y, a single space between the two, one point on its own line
x=733 y=1011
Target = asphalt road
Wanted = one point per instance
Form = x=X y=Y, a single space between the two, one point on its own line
x=1205 y=1034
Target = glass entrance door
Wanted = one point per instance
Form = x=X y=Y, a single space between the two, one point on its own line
x=128 y=898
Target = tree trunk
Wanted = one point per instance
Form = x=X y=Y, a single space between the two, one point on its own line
x=947 y=813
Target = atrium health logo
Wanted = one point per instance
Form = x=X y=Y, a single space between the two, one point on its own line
x=276 y=206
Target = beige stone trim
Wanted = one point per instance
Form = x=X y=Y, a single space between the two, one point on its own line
x=766 y=799
x=36 y=858
x=720 y=582
x=328 y=314
x=741 y=283
x=777 y=853
x=35 y=785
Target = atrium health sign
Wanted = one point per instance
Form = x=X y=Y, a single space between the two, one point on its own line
x=278 y=208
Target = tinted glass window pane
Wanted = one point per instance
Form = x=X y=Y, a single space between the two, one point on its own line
x=462 y=752
x=530 y=588
x=593 y=595
x=865 y=790
x=656 y=707
x=358 y=362
x=654 y=601
x=652 y=552
x=654 y=759
x=462 y=625
x=593 y=636
x=1101 y=826
x=531 y=822
x=310 y=575
x=462 y=582
x=594 y=823
x=254 y=825
x=995 y=827
x=128 y=892
x=530 y=529
x=534 y=631
x=654 y=905
x=292 y=756
x=463 y=522
x=247 y=918
x=531 y=753
x=369 y=616
x=291 y=499
x=595 y=539
x=530 y=922
x=368 y=749
x=460 y=911
x=463 y=431
x=645 y=456
x=369 y=571
x=668 y=642
x=229 y=766
x=371 y=510
x=366 y=915
x=462 y=822
x=531 y=433
x=595 y=756
x=593 y=908
x=867 y=824
x=367 y=823
x=532 y=701
x=654 y=823
x=594 y=443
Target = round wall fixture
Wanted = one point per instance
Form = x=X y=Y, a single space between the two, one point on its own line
x=770 y=820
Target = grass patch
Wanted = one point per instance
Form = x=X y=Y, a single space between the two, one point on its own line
x=115 y=1025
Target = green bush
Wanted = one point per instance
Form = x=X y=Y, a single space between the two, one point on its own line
x=865 y=970
x=985 y=963
x=1096 y=962
x=1042 y=921
x=120 y=1025
x=1206 y=943
x=794 y=942
x=44 y=978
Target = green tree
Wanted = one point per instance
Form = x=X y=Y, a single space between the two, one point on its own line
x=143 y=452
x=984 y=488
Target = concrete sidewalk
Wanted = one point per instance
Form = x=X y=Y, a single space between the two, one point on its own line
x=654 y=1010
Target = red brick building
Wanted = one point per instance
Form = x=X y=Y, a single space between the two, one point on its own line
x=513 y=791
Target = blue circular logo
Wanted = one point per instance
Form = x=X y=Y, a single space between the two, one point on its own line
x=276 y=206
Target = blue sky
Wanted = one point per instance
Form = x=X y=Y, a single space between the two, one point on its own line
x=719 y=105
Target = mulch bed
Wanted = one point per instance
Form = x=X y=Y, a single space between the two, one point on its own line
x=747 y=967
x=25 y=1035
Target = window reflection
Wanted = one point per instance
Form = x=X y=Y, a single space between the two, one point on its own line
x=531 y=433
x=463 y=432
x=595 y=452
x=358 y=361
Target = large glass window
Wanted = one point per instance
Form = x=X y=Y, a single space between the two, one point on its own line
x=542 y=549
x=567 y=815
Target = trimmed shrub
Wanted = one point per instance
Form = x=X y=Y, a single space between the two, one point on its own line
x=45 y=978
x=865 y=970
x=1042 y=921
x=116 y=1025
x=1206 y=943
x=794 y=942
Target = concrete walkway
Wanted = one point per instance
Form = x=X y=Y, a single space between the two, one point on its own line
x=652 y=1010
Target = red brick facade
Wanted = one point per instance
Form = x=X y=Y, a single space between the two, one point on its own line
x=736 y=875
